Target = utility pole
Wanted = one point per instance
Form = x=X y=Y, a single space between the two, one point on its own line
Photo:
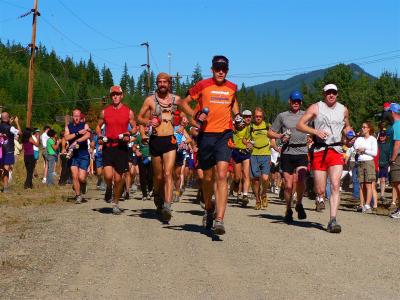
x=31 y=64
x=147 y=65
x=176 y=77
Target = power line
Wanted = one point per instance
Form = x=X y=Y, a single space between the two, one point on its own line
x=92 y=28
x=76 y=44
x=318 y=66
x=155 y=62
x=98 y=49
x=13 y=4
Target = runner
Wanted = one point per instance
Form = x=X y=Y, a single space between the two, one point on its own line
x=330 y=120
x=157 y=112
x=77 y=134
x=216 y=98
x=294 y=159
x=145 y=168
x=257 y=140
x=116 y=118
x=98 y=159
x=241 y=158
x=183 y=141
x=7 y=133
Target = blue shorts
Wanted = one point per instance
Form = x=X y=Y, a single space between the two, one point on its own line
x=82 y=162
x=383 y=172
x=259 y=164
x=213 y=147
x=239 y=155
x=8 y=159
x=98 y=160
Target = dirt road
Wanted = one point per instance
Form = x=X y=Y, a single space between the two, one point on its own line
x=85 y=252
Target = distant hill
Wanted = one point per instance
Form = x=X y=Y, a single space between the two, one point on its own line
x=286 y=86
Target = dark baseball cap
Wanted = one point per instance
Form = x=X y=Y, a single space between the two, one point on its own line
x=220 y=61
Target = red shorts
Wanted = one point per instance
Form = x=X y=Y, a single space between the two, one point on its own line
x=230 y=166
x=332 y=158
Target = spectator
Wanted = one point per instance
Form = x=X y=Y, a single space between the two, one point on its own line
x=29 y=158
x=366 y=148
x=384 y=157
x=8 y=132
x=51 y=157
x=395 y=158
x=43 y=140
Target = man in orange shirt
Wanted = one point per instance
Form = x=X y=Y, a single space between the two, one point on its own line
x=216 y=99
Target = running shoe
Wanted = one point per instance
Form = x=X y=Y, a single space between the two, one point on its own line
x=392 y=206
x=319 y=205
x=176 y=197
x=245 y=200
x=126 y=196
x=108 y=194
x=148 y=197
x=208 y=218
x=219 y=228
x=334 y=227
x=78 y=199
x=359 y=208
x=44 y=180
x=264 y=201
x=395 y=214
x=366 y=209
x=158 y=201
x=166 y=212
x=258 y=205
x=301 y=213
x=116 y=210
x=83 y=188
x=288 y=216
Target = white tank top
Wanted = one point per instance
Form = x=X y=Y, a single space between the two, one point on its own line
x=330 y=120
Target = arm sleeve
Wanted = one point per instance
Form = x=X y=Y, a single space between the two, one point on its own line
x=14 y=130
x=373 y=151
x=277 y=125
x=195 y=91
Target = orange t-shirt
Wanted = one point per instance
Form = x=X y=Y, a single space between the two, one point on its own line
x=219 y=99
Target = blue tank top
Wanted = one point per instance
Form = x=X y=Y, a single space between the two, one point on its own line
x=83 y=146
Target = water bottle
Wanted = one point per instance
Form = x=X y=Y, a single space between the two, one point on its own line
x=350 y=134
x=71 y=149
x=205 y=110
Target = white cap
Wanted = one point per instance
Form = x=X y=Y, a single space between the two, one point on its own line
x=246 y=113
x=330 y=87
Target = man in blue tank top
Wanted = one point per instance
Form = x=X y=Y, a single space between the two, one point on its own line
x=77 y=133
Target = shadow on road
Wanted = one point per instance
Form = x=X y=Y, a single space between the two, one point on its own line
x=193 y=212
x=106 y=210
x=195 y=228
x=145 y=213
x=279 y=219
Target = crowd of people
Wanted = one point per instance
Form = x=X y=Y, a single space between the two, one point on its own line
x=213 y=146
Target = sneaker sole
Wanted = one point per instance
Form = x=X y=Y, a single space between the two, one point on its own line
x=219 y=230
x=166 y=215
x=335 y=229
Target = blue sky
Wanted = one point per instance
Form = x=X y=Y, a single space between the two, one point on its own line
x=264 y=40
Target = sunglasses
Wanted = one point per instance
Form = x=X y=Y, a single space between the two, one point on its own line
x=331 y=92
x=115 y=94
x=247 y=117
x=220 y=69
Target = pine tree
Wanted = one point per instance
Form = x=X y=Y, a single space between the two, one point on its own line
x=107 y=78
x=124 y=83
x=196 y=75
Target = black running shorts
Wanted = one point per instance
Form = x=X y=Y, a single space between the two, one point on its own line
x=213 y=147
x=159 y=145
x=289 y=162
x=116 y=157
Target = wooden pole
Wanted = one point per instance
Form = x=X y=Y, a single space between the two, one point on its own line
x=31 y=65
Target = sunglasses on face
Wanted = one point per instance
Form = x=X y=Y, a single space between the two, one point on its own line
x=220 y=69
x=247 y=117
x=116 y=94
x=331 y=92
